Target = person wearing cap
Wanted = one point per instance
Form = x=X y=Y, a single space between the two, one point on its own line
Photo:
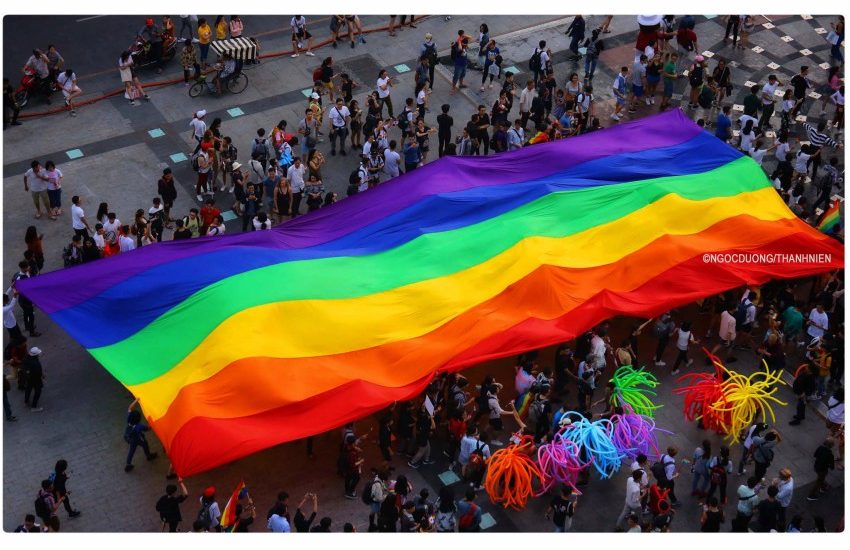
x=152 y=34
x=210 y=513
x=199 y=127
x=35 y=378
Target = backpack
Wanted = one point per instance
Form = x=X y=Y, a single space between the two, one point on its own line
x=259 y=148
x=464 y=523
x=402 y=120
x=42 y=509
x=535 y=412
x=741 y=313
x=366 y=496
x=205 y=516
x=431 y=53
x=534 y=62
x=695 y=75
x=706 y=96
x=455 y=51
x=317 y=74
x=476 y=458
x=718 y=474
x=658 y=469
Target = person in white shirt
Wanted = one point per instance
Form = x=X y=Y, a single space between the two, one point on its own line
x=98 y=239
x=300 y=34
x=634 y=494
x=10 y=299
x=338 y=118
x=68 y=81
x=391 y=160
x=78 y=218
x=768 y=101
x=525 y=98
x=261 y=222
x=126 y=243
x=385 y=84
x=516 y=136
x=468 y=444
x=726 y=332
x=785 y=484
x=757 y=151
x=217 y=227
x=295 y=177
x=422 y=99
x=279 y=524
x=198 y=128
x=818 y=323
x=111 y=228
x=37 y=188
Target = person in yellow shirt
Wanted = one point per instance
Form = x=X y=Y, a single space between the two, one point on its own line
x=220 y=28
x=204 y=39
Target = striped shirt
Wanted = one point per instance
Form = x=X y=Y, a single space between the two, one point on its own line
x=818 y=139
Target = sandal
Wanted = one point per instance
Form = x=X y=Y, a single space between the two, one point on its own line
x=37 y=216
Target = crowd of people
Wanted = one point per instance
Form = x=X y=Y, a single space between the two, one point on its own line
x=283 y=168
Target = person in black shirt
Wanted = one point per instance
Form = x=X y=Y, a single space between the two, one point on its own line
x=29 y=525
x=824 y=462
x=803 y=387
x=324 y=526
x=181 y=233
x=769 y=511
x=483 y=127
x=244 y=521
x=302 y=523
x=280 y=506
x=509 y=87
x=561 y=510
x=60 y=479
x=800 y=82
x=168 y=505
x=444 y=129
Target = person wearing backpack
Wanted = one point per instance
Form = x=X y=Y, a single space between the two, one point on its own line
x=134 y=435
x=763 y=452
x=706 y=97
x=539 y=61
x=46 y=504
x=429 y=52
x=374 y=494
x=719 y=469
x=260 y=147
x=168 y=505
x=445 y=519
x=468 y=514
x=664 y=471
x=803 y=387
x=696 y=76
x=210 y=513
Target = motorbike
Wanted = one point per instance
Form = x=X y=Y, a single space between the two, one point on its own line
x=141 y=50
x=31 y=85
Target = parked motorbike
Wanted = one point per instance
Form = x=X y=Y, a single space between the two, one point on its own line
x=141 y=50
x=31 y=85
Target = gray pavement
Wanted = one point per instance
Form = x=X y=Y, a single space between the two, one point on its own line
x=120 y=163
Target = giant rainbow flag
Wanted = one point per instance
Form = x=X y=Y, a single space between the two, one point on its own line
x=238 y=343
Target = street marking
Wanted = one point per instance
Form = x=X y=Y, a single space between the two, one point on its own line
x=709 y=16
x=307 y=92
x=814 y=95
x=734 y=64
x=448 y=477
x=235 y=112
x=708 y=53
x=178 y=157
x=801 y=118
x=824 y=66
x=806 y=51
x=156 y=132
x=401 y=68
x=90 y=18
x=787 y=38
x=768 y=25
x=74 y=154
x=228 y=215
x=806 y=17
x=749 y=84
x=582 y=50
x=820 y=30
x=758 y=49
x=737 y=107
x=513 y=69
x=487 y=521
x=773 y=65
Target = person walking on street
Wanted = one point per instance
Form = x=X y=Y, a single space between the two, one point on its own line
x=168 y=505
x=662 y=330
x=635 y=493
x=824 y=462
x=59 y=480
x=134 y=434
x=35 y=378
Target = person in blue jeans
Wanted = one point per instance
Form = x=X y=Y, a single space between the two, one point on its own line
x=724 y=124
x=835 y=52
x=594 y=48
x=460 y=61
x=134 y=434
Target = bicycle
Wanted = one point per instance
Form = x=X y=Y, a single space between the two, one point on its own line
x=235 y=84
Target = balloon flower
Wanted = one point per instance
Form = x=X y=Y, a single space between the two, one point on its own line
x=634 y=434
x=511 y=473
x=596 y=439
x=560 y=462
x=632 y=387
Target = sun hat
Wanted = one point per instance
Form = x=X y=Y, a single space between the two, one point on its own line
x=35 y=351
x=237 y=165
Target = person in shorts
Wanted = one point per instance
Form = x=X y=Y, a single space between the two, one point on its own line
x=300 y=34
x=638 y=82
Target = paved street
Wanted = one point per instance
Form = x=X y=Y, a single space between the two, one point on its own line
x=115 y=152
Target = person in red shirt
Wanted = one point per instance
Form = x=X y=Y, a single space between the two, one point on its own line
x=209 y=212
x=687 y=40
x=457 y=428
